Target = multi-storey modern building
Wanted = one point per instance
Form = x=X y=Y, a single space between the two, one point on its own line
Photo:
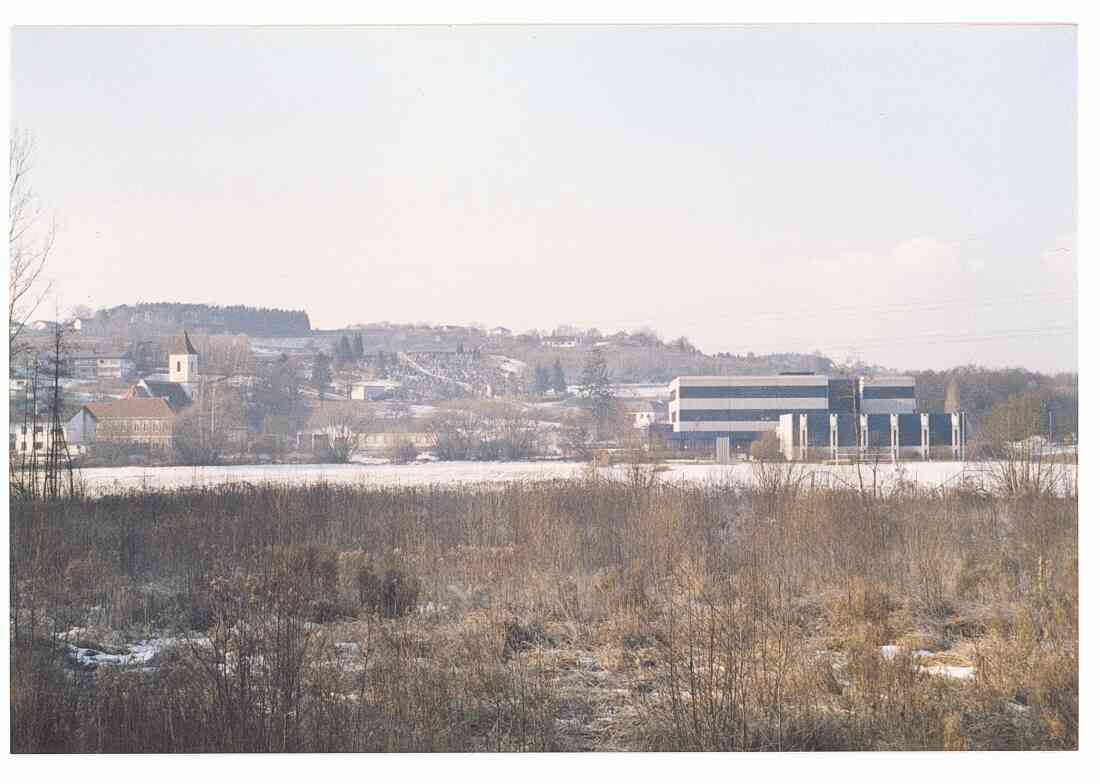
x=741 y=408
x=825 y=412
x=888 y=395
x=890 y=436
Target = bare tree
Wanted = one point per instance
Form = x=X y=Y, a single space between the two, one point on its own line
x=49 y=474
x=30 y=239
x=1014 y=434
x=341 y=425
x=203 y=433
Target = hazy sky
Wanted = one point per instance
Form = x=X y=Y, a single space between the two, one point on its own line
x=903 y=194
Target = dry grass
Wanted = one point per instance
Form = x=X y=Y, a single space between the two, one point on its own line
x=566 y=615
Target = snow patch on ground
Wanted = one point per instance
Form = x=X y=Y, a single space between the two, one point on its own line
x=139 y=653
x=946 y=670
x=107 y=480
x=513 y=367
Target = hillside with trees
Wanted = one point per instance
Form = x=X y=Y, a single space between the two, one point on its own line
x=156 y=317
x=978 y=390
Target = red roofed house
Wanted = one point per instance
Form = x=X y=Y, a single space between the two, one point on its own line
x=139 y=420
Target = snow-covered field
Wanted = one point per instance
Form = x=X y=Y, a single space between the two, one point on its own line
x=106 y=480
x=632 y=391
x=514 y=367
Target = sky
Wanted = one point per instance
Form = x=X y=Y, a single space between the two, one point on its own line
x=901 y=195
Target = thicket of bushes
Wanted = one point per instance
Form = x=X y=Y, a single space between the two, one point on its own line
x=326 y=618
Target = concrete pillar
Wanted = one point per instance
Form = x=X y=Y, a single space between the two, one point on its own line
x=958 y=435
x=925 y=438
x=722 y=446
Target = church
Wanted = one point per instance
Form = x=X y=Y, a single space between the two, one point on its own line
x=145 y=414
x=179 y=388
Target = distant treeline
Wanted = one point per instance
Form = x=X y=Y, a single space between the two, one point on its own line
x=233 y=319
x=977 y=390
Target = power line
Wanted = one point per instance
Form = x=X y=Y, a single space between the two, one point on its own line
x=865 y=310
x=924 y=339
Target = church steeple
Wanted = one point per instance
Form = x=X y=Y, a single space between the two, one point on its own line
x=183 y=360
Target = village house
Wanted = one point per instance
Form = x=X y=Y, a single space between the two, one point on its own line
x=140 y=421
x=385 y=441
x=562 y=342
x=90 y=366
x=25 y=439
x=372 y=390
x=146 y=414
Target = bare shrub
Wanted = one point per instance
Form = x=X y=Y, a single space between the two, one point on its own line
x=403 y=452
x=633 y=615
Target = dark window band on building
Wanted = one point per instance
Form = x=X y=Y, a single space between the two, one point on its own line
x=743 y=392
x=738 y=415
x=889 y=393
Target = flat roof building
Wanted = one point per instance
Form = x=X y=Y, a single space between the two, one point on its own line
x=744 y=408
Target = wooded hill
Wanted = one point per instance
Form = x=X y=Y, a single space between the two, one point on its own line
x=153 y=317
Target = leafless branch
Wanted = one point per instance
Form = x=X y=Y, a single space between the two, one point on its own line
x=29 y=241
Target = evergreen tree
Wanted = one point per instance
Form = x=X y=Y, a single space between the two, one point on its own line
x=380 y=363
x=322 y=374
x=343 y=350
x=357 y=346
x=595 y=388
x=542 y=380
x=276 y=393
x=557 y=378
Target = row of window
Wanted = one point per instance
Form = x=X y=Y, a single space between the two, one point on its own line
x=736 y=415
x=822 y=391
x=758 y=391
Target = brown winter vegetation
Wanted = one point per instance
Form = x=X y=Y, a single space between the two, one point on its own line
x=567 y=615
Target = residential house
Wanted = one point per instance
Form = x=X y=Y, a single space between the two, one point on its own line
x=559 y=341
x=23 y=442
x=146 y=421
x=385 y=441
x=372 y=390
x=91 y=366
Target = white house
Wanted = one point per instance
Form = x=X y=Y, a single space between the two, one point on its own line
x=23 y=442
x=371 y=390
x=562 y=342
x=102 y=366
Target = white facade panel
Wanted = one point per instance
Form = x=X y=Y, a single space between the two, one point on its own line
x=728 y=427
x=751 y=381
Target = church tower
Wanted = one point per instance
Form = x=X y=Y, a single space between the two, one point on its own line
x=183 y=361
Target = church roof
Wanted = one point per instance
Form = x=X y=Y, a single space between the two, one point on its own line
x=171 y=392
x=182 y=345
